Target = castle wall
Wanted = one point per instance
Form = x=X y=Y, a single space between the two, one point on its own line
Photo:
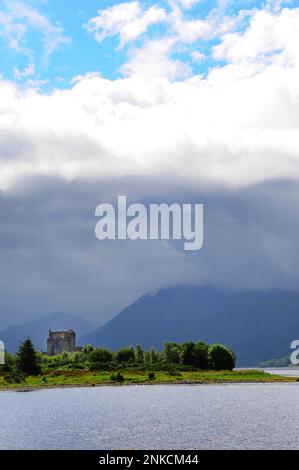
x=60 y=341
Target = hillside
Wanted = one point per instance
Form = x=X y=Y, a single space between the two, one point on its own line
x=258 y=325
x=37 y=330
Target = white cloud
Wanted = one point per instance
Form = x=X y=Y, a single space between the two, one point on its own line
x=28 y=71
x=12 y=31
x=215 y=24
x=154 y=56
x=269 y=37
x=154 y=132
x=213 y=131
x=276 y=5
x=188 y=3
x=153 y=60
x=223 y=129
x=197 y=56
x=18 y=19
x=128 y=20
x=189 y=31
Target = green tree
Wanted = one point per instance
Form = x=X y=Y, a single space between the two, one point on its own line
x=147 y=358
x=195 y=354
x=27 y=361
x=101 y=355
x=154 y=356
x=188 y=353
x=201 y=355
x=234 y=356
x=171 y=353
x=139 y=354
x=87 y=349
x=221 y=357
x=125 y=355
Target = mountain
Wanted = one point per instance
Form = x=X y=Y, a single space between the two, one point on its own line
x=258 y=325
x=37 y=330
x=278 y=362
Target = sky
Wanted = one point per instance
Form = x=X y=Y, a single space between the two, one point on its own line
x=166 y=101
x=49 y=43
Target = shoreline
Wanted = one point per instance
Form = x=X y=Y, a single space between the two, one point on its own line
x=288 y=380
x=85 y=378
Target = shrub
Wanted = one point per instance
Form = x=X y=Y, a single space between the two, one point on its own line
x=101 y=355
x=125 y=355
x=9 y=363
x=15 y=377
x=95 y=366
x=75 y=367
x=151 y=376
x=117 y=377
x=221 y=358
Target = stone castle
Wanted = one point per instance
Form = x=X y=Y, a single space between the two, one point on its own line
x=60 y=341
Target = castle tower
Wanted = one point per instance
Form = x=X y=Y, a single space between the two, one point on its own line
x=60 y=341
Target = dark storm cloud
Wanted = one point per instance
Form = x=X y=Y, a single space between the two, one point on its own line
x=51 y=260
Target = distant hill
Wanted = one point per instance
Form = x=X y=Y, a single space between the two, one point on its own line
x=258 y=325
x=37 y=330
x=278 y=362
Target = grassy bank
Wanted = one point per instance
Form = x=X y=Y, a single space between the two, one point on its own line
x=73 y=378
